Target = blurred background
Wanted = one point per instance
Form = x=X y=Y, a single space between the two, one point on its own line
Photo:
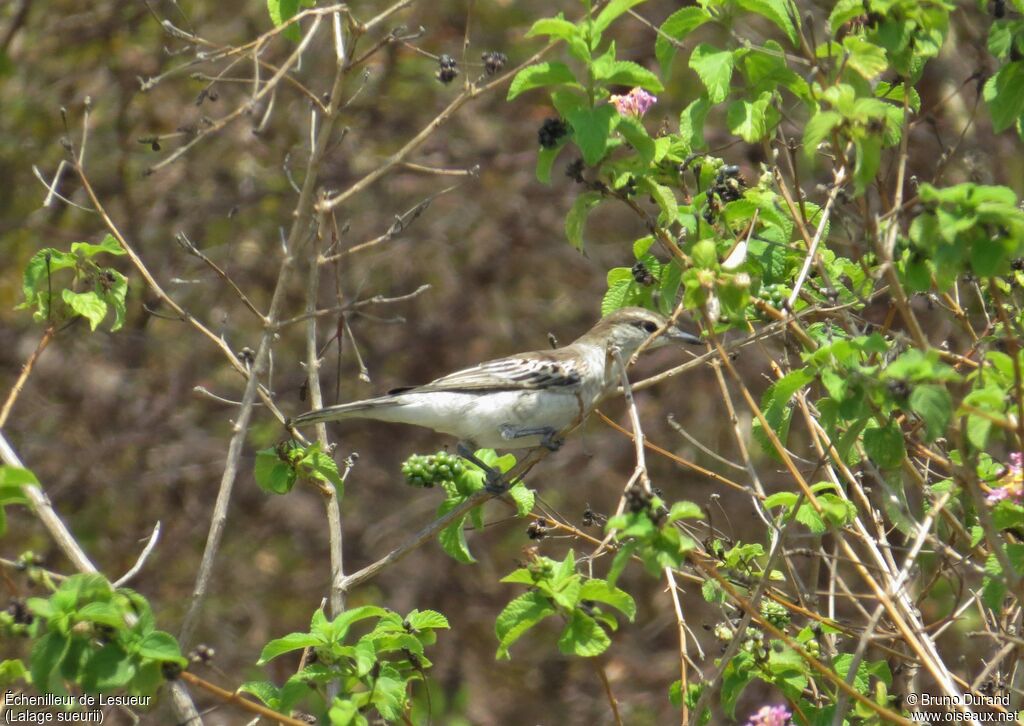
x=111 y=425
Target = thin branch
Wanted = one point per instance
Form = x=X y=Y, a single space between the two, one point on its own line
x=40 y=505
x=143 y=556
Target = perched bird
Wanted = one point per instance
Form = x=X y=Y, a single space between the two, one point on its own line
x=524 y=400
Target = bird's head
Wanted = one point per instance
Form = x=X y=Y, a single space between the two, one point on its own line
x=628 y=328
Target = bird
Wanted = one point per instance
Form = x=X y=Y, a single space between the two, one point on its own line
x=521 y=401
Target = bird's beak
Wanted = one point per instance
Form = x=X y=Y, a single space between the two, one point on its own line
x=679 y=336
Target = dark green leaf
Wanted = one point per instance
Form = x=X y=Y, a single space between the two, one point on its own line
x=885 y=446
x=577 y=217
x=677 y=26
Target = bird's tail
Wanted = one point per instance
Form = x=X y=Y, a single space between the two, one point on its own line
x=372 y=408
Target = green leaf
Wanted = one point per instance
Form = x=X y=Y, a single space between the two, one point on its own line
x=523 y=499
x=87 y=304
x=935 y=407
x=627 y=73
x=616 y=297
x=546 y=159
x=677 y=26
x=108 y=668
x=114 y=292
x=747 y=120
x=583 y=636
x=44 y=662
x=819 y=127
x=519 y=616
x=104 y=613
x=424 y=619
x=866 y=58
x=577 y=217
x=612 y=11
x=108 y=245
x=290 y=642
x=592 y=129
x=685 y=510
x=635 y=133
x=265 y=691
x=691 y=122
x=282 y=11
x=885 y=446
x=869 y=156
x=779 y=12
x=664 y=197
x=1004 y=95
x=560 y=28
x=602 y=591
x=161 y=646
x=453 y=541
x=714 y=67
x=539 y=75
x=272 y=474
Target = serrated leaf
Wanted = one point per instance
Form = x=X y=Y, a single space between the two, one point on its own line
x=747 y=120
x=583 y=636
x=714 y=68
x=1004 y=95
x=272 y=474
x=592 y=129
x=602 y=591
x=611 y=11
x=519 y=616
x=677 y=26
x=453 y=541
x=779 y=12
x=663 y=197
x=287 y=644
x=87 y=304
x=628 y=73
x=523 y=499
x=818 y=128
x=539 y=75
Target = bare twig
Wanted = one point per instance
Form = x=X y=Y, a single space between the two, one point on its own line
x=41 y=507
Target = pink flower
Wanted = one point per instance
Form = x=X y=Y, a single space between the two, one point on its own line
x=771 y=716
x=1011 y=484
x=635 y=103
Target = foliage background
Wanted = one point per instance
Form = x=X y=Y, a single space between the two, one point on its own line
x=113 y=428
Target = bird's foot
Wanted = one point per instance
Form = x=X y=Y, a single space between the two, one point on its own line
x=550 y=439
x=494 y=480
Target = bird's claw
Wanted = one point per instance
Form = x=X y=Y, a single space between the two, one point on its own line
x=494 y=482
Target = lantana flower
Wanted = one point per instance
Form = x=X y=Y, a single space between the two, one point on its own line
x=771 y=716
x=1010 y=485
x=635 y=103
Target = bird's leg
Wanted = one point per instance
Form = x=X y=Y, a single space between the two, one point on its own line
x=493 y=481
x=550 y=439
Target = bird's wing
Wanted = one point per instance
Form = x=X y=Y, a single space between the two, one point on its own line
x=531 y=371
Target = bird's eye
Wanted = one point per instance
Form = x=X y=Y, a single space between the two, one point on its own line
x=649 y=326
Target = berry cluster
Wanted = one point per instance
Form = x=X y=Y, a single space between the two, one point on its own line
x=775 y=613
x=639 y=500
x=493 y=61
x=448 y=69
x=728 y=187
x=441 y=469
x=774 y=294
x=642 y=274
x=551 y=131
